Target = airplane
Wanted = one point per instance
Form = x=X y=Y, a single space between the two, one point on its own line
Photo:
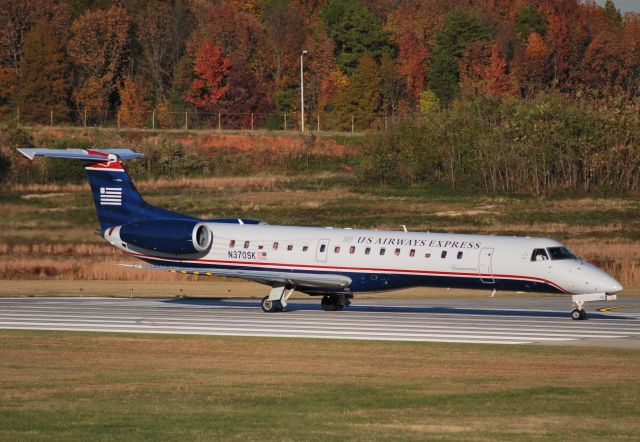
x=332 y=263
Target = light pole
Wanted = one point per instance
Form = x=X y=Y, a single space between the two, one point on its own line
x=302 y=54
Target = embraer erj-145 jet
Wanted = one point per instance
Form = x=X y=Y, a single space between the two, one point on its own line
x=332 y=263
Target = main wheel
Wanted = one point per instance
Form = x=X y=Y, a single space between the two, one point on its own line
x=269 y=306
x=329 y=303
x=578 y=314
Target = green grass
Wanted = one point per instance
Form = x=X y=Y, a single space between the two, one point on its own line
x=70 y=386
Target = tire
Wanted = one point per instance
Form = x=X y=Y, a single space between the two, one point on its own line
x=576 y=314
x=269 y=306
x=329 y=303
x=584 y=315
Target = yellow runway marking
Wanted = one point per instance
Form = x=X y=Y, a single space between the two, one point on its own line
x=608 y=309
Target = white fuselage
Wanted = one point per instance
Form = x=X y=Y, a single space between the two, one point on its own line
x=387 y=260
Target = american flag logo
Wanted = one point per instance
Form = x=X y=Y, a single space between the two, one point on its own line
x=261 y=255
x=110 y=196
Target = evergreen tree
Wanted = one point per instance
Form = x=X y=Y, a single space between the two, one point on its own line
x=613 y=15
x=530 y=20
x=42 y=84
x=362 y=98
x=355 y=31
x=459 y=31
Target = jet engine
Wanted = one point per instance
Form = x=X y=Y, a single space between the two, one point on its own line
x=167 y=236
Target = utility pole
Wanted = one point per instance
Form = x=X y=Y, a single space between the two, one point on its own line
x=302 y=54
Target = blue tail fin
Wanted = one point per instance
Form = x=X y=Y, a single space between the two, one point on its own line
x=116 y=198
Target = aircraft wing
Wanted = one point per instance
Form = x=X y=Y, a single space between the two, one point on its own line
x=299 y=279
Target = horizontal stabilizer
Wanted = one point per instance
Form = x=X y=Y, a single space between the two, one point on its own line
x=79 y=154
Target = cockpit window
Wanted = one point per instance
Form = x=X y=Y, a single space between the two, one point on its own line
x=557 y=253
x=539 y=255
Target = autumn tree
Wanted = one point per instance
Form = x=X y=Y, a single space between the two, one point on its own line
x=157 y=46
x=245 y=96
x=99 y=46
x=43 y=75
x=134 y=104
x=210 y=83
x=532 y=69
x=320 y=64
x=355 y=31
x=603 y=65
x=484 y=70
x=284 y=47
x=412 y=62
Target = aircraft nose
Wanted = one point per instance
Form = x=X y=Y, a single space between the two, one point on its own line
x=615 y=286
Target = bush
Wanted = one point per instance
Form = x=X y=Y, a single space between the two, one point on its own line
x=509 y=145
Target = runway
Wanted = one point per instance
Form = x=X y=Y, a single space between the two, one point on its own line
x=460 y=320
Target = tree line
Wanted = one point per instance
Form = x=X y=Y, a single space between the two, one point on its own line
x=365 y=57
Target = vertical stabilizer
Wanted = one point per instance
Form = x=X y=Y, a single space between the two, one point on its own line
x=116 y=198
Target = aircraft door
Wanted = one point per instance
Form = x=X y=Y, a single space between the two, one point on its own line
x=321 y=251
x=484 y=266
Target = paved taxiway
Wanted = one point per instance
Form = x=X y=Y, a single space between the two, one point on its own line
x=470 y=320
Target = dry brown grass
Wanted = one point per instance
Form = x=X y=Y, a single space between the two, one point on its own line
x=267 y=182
x=218 y=183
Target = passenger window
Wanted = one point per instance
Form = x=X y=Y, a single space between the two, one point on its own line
x=459 y=255
x=246 y=244
x=412 y=253
x=232 y=243
x=260 y=247
x=336 y=249
x=323 y=248
x=275 y=246
x=352 y=249
x=305 y=248
x=443 y=254
x=539 y=255
x=427 y=255
x=397 y=252
x=289 y=247
x=367 y=250
x=382 y=251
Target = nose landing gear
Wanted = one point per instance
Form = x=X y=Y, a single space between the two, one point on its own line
x=578 y=313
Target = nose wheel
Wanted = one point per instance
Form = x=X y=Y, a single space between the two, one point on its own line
x=578 y=313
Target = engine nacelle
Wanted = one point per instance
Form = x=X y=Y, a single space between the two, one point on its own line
x=167 y=236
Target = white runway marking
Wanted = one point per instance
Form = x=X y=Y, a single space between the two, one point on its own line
x=420 y=321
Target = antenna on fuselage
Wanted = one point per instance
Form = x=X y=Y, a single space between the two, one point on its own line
x=404 y=227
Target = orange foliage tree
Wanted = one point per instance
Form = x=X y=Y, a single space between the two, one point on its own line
x=43 y=80
x=210 y=82
x=98 y=46
x=134 y=105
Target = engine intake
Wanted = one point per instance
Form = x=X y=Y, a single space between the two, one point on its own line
x=170 y=236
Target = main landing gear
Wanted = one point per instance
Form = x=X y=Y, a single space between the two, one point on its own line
x=331 y=303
